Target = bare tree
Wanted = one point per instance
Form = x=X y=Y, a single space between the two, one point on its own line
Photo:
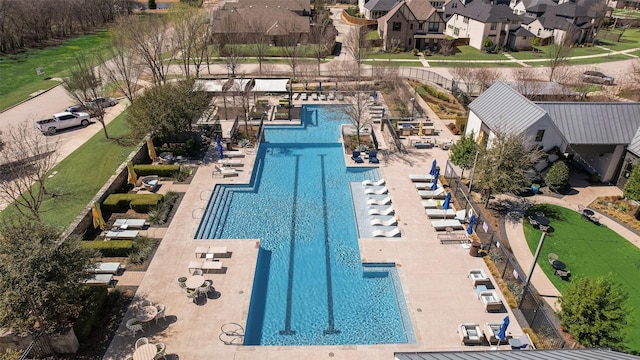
x=355 y=106
x=121 y=68
x=356 y=45
x=466 y=76
x=486 y=77
x=528 y=82
x=260 y=39
x=320 y=40
x=85 y=83
x=28 y=158
x=291 y=48
x=559 y=52
x=306 y=73
x=149 y=39
x=190 y=35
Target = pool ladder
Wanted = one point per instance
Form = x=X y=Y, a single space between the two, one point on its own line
x=232 y=334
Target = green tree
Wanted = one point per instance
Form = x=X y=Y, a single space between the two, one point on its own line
x=463 y=152
x=557 y=177
x=595 y=312
x=40 y=276
x=167 y=110
x=632 y=187
x=504 y=166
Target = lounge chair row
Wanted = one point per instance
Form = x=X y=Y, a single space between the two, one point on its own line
x=230 y=162
x=210 y=251
x=205 y=265
x=489 y=297
x=224 y=171
x=472 y=334
x=373 y=157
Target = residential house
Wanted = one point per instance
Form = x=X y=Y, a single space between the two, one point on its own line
x=479 y=20
x=374 y=9
x=580 y=20
x=531 y=8
x=596 y=136
x=278 y=19
x=411 y=24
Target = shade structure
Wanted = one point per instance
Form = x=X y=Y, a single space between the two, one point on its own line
x=420 y=129
x=96 y=213
x=220 y=151
x=434 y=164
x=151 y=149
x=472 y=219
x=447 y=200
x=133 y=178
x=435 y=179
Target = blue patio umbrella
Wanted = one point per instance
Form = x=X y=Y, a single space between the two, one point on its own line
x=220 y=150
x=472 y=219
x=320 y=86
x=435 y=179
x=502 y=334
x=447 y=200
x=336 y=86
x=218 y=140
x=434 y=164
x=375 y=95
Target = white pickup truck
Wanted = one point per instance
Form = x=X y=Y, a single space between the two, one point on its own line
x=63 y=120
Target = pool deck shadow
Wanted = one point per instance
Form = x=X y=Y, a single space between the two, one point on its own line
x=434 y=279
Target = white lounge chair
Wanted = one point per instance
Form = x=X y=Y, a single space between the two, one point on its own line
x=99 y=279
x=381 y=233
x=440 y=225
x=314 y=96
x=122 y=234
x=224 y=172
x=331 y=96
x=204 y=265
x=378 y=191
x=233 y=154
x=387 y=211
x=303 y=97
x=323 y=97
x=431 y=194
x=339 y=97
x=106 y=268
x=478 y=277
x=384 y=201
x=441 y=213
x=212 y=251
x=194 y=265
x=421 y=177
x=384 y=222
x=230 y=162
x=431 y=204
x=373 y=182
x=124 y=224
x=423 y=185
x=201 y=250
x=295 y=96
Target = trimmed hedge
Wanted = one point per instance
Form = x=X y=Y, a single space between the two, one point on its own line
x=160 y=170
x=140 y=203
x=111 y=248
x=94 y=297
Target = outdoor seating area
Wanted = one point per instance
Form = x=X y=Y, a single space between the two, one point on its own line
x=470 y=334
x=559 y=267
x=195 y=285
x=150 y=183
x=146 y=350
x=478 y=277
x=589 y=214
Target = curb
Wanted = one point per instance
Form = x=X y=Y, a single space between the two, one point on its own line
x=30 y=97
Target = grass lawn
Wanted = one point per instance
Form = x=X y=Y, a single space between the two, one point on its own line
x=401 y=55
x=629 y=40
x=468 y=53
x=472 y=64
x=392 y=63
x=82 y=173
x=598 y=60
x=622 y=13
x=544 y=51
x=18 y=76
x=589 y=250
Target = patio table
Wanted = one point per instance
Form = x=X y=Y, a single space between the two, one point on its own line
x=147 y=313
x=194 y=282
x=145 y=352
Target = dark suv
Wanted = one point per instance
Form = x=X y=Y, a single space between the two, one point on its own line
x=597 y=77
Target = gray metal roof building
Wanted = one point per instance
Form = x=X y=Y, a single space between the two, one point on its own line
x=502 y=108
x=634 y=147
x=564 y=354
x=595 y=123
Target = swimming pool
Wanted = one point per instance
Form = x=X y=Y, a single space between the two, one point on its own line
x=310 y=286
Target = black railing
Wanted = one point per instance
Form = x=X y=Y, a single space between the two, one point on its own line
x=393 y=135
x=39 y=348
x=536 y=313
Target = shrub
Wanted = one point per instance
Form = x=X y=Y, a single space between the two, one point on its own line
x=443 y=96
x=111 y=248
x=430 y=90
x=94 y=297
x=415 y=51
x=182 y=174
x=160 y=170
x=461 y=123
x=142 y=248
x=140 y=203
x=632 y=187
x=557 y=177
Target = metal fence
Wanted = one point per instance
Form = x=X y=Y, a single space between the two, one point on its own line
x=39 y=348
x=391 y=136
x=537 y=314
x=426 y=75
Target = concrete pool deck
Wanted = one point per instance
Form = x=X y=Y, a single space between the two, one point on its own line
x=434 y=279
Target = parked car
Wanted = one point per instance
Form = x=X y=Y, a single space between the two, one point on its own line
x=597 y=77
x=76 y=108
x=63 y=120
x=101 y=102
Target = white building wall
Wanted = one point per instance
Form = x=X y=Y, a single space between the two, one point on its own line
x=535 y=26
x=361 y=7
x=472 y=29
x=519 y=8
x=473 y=125
x=551 y=137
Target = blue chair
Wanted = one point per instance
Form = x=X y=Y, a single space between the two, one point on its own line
x=356 y=157
x=373 y=157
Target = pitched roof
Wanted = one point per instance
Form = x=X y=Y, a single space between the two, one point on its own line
x=538 y=5
x=270 y=19
x=520 y=31
x=380 y=5
x=421 y=9
x=502 y=108
x=595 y=123
x=634 y=147
x=485 y=12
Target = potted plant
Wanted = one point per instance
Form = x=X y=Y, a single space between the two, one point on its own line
x=535 y=188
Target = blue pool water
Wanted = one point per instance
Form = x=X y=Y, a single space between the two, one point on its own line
x=310 y=286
